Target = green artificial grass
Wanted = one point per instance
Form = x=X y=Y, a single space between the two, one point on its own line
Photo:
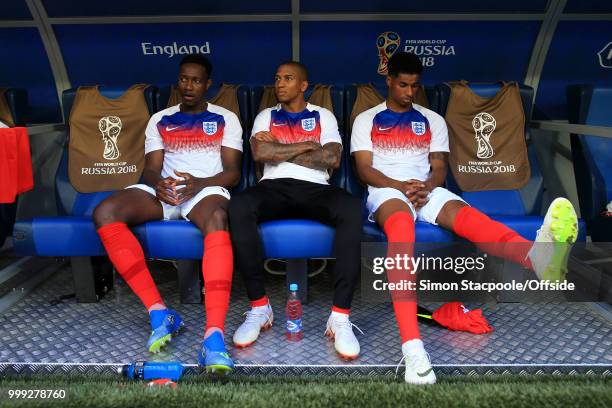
x=238 y=391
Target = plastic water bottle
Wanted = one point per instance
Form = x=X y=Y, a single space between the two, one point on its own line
x=293 y=312
x=152 y=370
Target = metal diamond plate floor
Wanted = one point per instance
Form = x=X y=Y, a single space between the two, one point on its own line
x=36 y=336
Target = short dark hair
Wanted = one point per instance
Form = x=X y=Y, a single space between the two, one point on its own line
x=301 y=67
x=404 y=63
x=198 y=59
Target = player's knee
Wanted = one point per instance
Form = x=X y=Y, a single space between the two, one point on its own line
x=448 y=213
x=217 y=220
x=105 y=213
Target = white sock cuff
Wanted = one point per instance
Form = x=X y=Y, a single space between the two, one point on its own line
x=413 y=346
x=338 y=314
x=262 y=308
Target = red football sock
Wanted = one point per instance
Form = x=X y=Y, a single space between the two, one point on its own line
x=217 y=267
x=494 y=237
x=341 y=310
x=260 y=302
x=126 y=254
x=399 y=229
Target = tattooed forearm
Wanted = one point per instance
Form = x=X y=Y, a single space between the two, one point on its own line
x=272 y=152
x=326 y=157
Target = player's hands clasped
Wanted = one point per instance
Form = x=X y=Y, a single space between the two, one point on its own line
x=192 y=186
x=165 y=190
x=176 y=191
x=417 y=192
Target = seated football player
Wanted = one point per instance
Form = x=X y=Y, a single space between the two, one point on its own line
x=298 y=143
x=405 y=167
x=193 y=154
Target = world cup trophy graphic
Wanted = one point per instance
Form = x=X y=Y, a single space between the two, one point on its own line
x=110 y=127
x=484 y=125
x=387 y=43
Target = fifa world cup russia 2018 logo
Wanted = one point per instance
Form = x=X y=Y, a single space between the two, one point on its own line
x=484 y=124
x=110 y=127
x=387 y=43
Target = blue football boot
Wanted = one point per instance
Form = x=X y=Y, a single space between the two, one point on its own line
x=165 y=323
x=214 y=356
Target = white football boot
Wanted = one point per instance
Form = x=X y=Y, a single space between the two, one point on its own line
x=257 y=319
x=340 y=328
x=418 y=367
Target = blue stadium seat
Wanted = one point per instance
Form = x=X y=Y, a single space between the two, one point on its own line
x=297 y=239
x=39 y=236
x=526 y=201
x=519 y=209
x=71 y=202
x=588 y=105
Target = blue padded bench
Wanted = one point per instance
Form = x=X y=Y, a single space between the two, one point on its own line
x=177 y=239
x=72 y=233
x=592 y=155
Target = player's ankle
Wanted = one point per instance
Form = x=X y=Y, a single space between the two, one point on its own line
x=212 y=330
x=157 y=306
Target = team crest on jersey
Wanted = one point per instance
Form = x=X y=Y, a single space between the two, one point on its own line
x=309 y=124
x=210 y=128
x=419 y=128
